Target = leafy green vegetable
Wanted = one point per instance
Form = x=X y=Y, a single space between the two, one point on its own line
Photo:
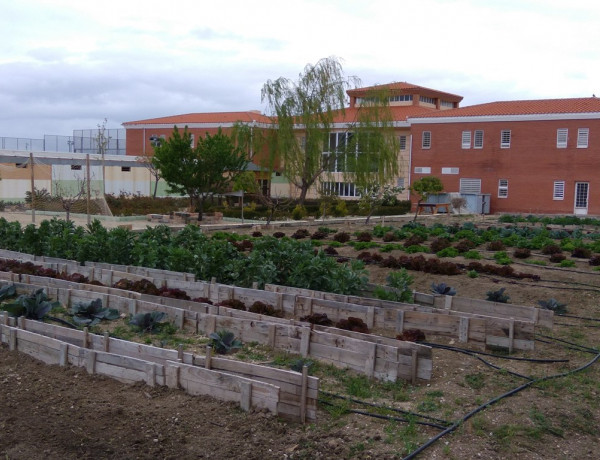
x=91 y=313
x=148 y=322
x=35 y=306
x=8 y=291
x=224 y=341
x=442 y=289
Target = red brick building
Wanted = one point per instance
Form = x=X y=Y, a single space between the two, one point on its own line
x=540 y=156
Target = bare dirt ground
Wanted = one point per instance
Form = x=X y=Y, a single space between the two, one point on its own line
x=57 y=413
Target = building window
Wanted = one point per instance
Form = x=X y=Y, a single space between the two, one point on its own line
x=402 y=141
x=423 y=170
x=583 y=135
x=426 y=142
x=505 y=139
x=450 y=170
x=447 y=104
x=75 y=167
x=503 y=188
x=466 y=139
x=478 y=139
x=400 y=182
x=264 y=185
x=427 y=100
x=562 y=135
x=559 y=190
x=470 y=186
x=401 y=98
x=339 y=189
x=125 y=168
x=191 y=140
x=334 y=159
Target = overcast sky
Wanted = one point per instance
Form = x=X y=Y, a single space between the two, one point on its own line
x=68 y=64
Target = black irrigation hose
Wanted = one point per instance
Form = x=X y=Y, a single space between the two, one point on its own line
x=587 y=318
x=512 y=358
x=582 y=347
x=386 y=417
x=393 y=409
x=537 y=339
x=487 y=363
x=493 y=401
x=576 y=325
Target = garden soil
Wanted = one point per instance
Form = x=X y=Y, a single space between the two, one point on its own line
x=51 y=412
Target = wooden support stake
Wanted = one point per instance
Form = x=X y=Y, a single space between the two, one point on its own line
x=208 y=358
x=399 y=322
x=86 y=337
x=21 y=322
x=211 y=325
x=106 y=342
x=272 y=335
x=68 y=299
x=246 y=396
x=172 y=375
x=448 y=302
x=414 y=367
x=63 y=359
x=150 y=374
x=279 y=301
x=179 y=318
x=12 y=339
x=254 y=284
x=511 y=336
x=4 y=316
x=370 y=317
x=310 y=306
x=133 y=307
x=180 y=351
x=370 y=361
x=304 y=391
x=91 y=362
x=305 y=342
x=463 y=329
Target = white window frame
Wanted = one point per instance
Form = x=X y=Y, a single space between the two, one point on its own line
x=562 y=137
x=402 y=142
x=450 y=170
x=505 y=138
x=422 y=169
x=400 y=182
x=341 y=189
x=470 y=185
x=478 y=139
x=426 y=140
x=466 y=139
x=559 y=190
x=583 y=137
x=502 y=188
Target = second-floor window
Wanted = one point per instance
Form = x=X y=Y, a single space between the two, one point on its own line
x=478 y=139
x=505 y=139
x=562 y=135
x=402 y=142
x=466 y=139
x=583 y=135
x=503 y=188
x=426 y=140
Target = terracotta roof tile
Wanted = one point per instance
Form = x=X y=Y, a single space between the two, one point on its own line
x=530 y=107
x=406 y=88
x=212 y=117
x=399 y=113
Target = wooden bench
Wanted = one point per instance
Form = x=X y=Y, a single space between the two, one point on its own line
x=433 y=208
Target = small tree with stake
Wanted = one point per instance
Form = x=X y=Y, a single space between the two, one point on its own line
x=424 y=187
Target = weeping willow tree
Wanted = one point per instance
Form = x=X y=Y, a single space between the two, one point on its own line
x=305 y=113
x=372 y=147
x=310 y=106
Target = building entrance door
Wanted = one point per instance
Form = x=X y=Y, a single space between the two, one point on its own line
x=581 y=197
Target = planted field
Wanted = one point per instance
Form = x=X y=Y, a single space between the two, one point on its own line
x=554 y=414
